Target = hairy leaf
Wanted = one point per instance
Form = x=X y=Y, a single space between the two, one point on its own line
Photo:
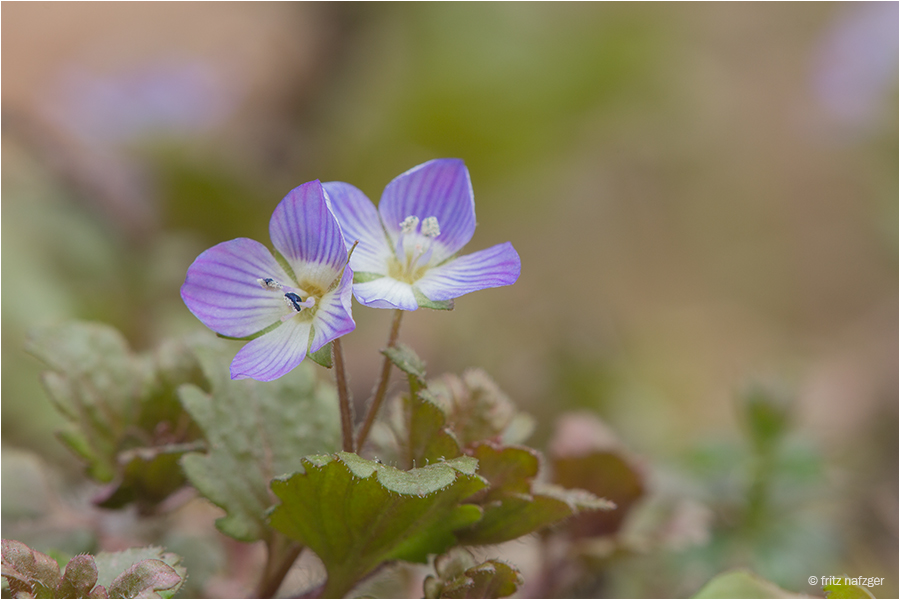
x=356 y=514
x=29 y=573
x=477 y=410
x=135 y=573
x=79 y=578
x=459 y=577
x=145 y=578
x=513 y=504
x=125 y=420
x=406 y=359
x=149 y=571
x=255 y=431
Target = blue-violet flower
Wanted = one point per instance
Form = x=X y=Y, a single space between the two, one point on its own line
x=288 y=304
x=406 y=255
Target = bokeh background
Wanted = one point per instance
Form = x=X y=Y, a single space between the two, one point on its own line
x=704 y=197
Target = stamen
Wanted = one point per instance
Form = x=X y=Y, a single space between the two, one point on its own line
x=294 y=301
x=430 y=227
x=267 y=283
x=409 y=224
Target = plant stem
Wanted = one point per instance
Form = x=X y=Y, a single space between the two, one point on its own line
x=340 y=374
x=282 y=553
x=381 y=387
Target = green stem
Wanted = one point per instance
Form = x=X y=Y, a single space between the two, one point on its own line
x=381 y=387
x=282 y=553
x=340 y=374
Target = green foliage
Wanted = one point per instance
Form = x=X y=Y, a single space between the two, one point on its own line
x=767 y=415
x=255 y=431
x=406 y=359
x=458 y=576
x=425 y=437
x=435 y=423
x=845 y=588
x=356 y=514
x=741 y=583
x=514 y=505
x=135 y=573
x=125 y=420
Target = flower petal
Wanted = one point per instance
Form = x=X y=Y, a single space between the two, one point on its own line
x=359 y=220
x=305 y=232
x=492 y=267
x=272 y=355
x=386 y=292
x=439 y=188
x=222 y=290
x=333 y=316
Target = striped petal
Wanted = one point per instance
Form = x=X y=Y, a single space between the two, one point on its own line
x=493 y=267
x=439 y=188
x=222 y=290
x=359 y=220
x=305 y=232
x=274 y=354
x=333 y=316
x=386 y=292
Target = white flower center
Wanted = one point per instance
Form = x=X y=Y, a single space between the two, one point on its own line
x=414 y=248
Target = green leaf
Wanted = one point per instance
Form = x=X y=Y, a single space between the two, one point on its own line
x=406 y=359
x=513 y=504
x=415 y=432
x=742 y=583
x=357 y=514
x=845 y=587
x=459 y=577
x=125 y=420
x=322 y=356
x=424 y=302
x=426 y=438
x=124 y=572
x=255 y=431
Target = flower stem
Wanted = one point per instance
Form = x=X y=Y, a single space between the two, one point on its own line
x=340 y=374
x=281 y=554
x=381 y=387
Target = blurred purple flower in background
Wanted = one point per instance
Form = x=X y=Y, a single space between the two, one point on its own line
x=158 y=97
x=856 y=65
x=288 y=304
x=405 y=255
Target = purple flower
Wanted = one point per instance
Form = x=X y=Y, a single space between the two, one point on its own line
x=406 y=257
x=288 y=304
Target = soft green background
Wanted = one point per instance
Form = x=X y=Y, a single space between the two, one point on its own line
x=693 y=207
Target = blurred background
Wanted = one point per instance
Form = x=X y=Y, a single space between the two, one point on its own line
x=704 y=198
